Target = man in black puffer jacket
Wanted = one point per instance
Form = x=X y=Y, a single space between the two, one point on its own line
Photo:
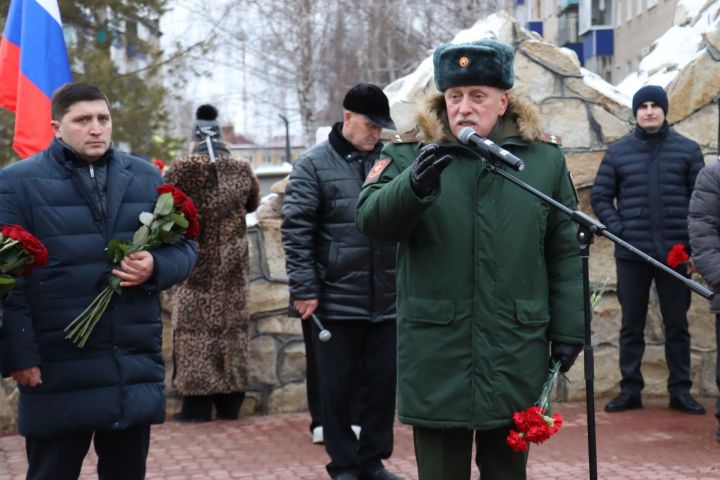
x=641 y=194
x=704 y=229
x=348 y=281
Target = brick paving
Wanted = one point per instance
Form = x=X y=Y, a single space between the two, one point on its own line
x=649 y=444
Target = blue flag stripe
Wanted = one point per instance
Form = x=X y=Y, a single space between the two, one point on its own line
x=43 y=58
x=13 y=25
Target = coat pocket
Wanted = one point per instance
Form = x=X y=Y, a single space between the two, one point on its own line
x=532 y=312
x=427 y=310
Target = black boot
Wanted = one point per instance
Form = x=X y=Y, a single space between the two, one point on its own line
x=624 y=401
x=227 y=405
x=195 y=409
x=684 y=402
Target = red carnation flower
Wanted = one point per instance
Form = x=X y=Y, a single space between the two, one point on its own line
x=517 y=442
x=532 y=424
x=677 y=255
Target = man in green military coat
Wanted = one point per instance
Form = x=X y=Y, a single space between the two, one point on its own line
x=489 y=277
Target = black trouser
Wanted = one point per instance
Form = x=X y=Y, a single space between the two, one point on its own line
x=633 y=288
x=446 y=454
x=199 y=407
x=312 y=381
x=360 y=353
x=122 y=454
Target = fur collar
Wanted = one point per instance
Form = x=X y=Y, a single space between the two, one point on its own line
x=431 y=118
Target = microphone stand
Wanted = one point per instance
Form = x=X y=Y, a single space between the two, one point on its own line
x=588 y=228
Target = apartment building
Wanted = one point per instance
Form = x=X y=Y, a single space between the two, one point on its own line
x=610 y=37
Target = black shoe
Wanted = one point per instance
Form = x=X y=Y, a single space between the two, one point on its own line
x=347 y=476
x=383 y=473
x=685 y=403
x=624 y=401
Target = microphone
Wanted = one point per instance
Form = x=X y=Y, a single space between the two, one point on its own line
x=468 y=136
x=324 y=335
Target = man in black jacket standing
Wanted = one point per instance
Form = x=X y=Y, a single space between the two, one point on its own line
x=641 y=194
x=348 y=281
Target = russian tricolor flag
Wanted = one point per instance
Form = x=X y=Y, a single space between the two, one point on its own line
x=33 y=63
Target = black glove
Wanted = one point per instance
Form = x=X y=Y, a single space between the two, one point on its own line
x=426 y=170
x=565 y=353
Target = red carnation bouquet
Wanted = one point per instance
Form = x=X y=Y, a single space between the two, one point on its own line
x=20 y=252
x=174 y=218
x=677 y=255
x=534 y=424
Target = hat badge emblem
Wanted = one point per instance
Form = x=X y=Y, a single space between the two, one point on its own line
x=463 y=61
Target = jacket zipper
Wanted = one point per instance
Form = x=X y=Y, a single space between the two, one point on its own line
x=96 y=191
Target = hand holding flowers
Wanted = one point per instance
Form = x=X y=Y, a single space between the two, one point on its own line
x=532 y=424
x=174 y=218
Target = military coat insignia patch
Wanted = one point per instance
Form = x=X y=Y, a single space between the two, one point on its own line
x=377 y=170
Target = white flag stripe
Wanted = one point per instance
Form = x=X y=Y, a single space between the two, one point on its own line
x=51 y=6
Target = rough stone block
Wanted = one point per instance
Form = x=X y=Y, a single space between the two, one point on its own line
x=251 y=404
x=279 y=324
x=288 y=398
x=263 y=360
x=695 y=86
x=534 y=80
x=264 y=296
x=292 y=362
x=272 y=249
x=695 y=127
x=568 y=118
x=583 y=166
x=611 y=127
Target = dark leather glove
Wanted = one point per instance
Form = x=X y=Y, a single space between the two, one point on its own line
x=426 y=170
x=565 y=353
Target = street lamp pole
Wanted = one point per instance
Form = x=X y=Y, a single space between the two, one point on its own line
x=287 y=138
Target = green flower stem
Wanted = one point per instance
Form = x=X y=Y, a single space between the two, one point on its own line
x=98 y=309
x=544 y=400
x=82 y=326
x=79 y=319
x=102 y=306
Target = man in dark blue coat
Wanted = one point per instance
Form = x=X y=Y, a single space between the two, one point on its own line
x=75 y=197
x=641 y=194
